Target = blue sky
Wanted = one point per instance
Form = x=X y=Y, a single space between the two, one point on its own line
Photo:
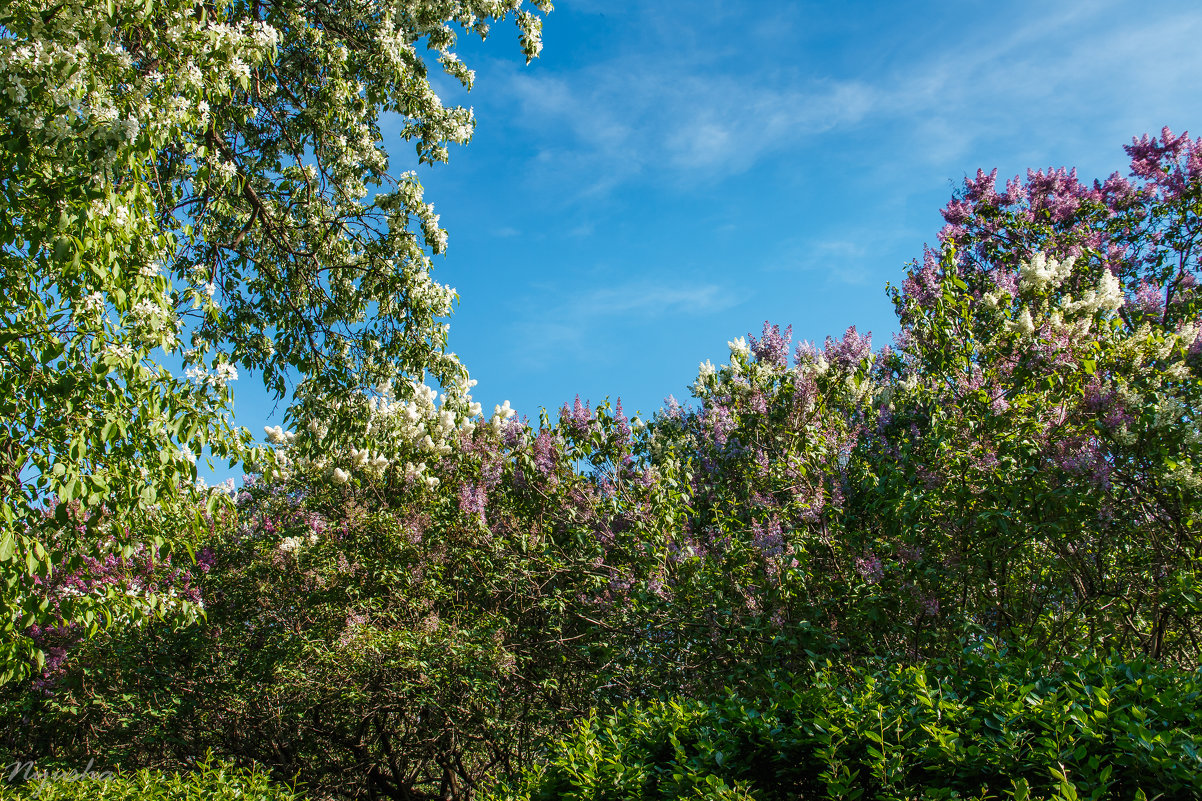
x=668 y=175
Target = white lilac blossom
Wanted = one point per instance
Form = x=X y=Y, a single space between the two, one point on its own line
x=503 y=411
x=1041 y=273
x=1108 y=296
x=291 y=544
x=276 y=435
x=1024 y=324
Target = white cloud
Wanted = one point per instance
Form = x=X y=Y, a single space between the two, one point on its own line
x=651 y=300
x=588 y=324
x=687 y=116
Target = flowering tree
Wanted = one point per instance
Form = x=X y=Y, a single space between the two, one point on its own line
x=204 y=185
x=1046 y=450
x=415 y=596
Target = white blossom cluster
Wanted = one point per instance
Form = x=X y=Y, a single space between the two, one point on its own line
x=402 y=432
x=1042 y=273
x=293 y=544
x=1041 y=276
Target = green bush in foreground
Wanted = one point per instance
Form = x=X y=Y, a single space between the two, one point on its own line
x=991 y=728
x=210 y=782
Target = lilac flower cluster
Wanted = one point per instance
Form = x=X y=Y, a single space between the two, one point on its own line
x=719 y=423
x=772 y=348
x=545 y=452
x=870 y=568
x=847 y=353
x=473 y=499
x=579 y=418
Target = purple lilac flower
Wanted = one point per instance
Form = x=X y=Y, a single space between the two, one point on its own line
x=579 y=418
x=621 y=424
x=719 y=423
x=473 y=498
x=773 y=347
x=923 y=285
x=1148 y=300
x=673 y=410
x=850 y=351
x=544 y=452
x=870 y=568
x=769 y=540
x=511 y=433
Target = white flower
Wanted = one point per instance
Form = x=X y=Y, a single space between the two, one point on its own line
x=706 y=369
x=239 y=69
x=275 y=434
x=341 y=476
x=93 y=303
x=226 y=373
x=1024 y=325
x=290 y=544
x=1110 y=292
x=504 y=411
x=1041 y=272
x=739 y=347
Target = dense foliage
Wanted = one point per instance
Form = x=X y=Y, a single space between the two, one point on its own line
x=994 y=521
x=992 y=726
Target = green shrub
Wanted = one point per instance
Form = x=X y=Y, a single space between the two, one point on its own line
x=991 y=727
x=211 y=781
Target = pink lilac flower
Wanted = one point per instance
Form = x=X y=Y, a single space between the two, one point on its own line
x=719 y=423
x=621 y=424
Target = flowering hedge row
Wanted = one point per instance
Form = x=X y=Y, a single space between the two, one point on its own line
x=414 y=598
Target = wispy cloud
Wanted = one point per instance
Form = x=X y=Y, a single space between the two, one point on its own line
x=650 y=300
x=587 y=323
x=688 y=118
